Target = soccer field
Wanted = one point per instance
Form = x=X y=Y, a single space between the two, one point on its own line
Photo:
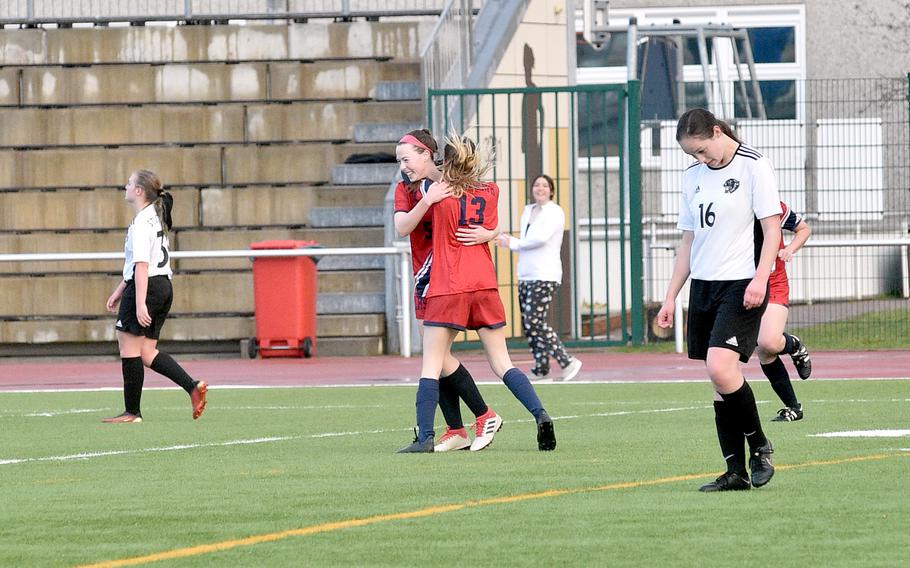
x=308 y=476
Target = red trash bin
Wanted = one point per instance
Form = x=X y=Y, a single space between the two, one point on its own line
x=284 y=290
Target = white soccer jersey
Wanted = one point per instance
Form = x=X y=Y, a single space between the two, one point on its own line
x=146 y=241
x=721 y=206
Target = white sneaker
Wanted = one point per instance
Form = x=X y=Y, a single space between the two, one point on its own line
x=572 y=370
x=486 y=427
x=453 y=440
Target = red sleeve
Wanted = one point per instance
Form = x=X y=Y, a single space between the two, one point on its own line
x=402 y=198
x=491 y=220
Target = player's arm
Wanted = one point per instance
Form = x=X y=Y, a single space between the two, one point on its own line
x=758 y=287
x=407 y=221
x=801 y=234
x=115 y=296
x=681 y=271
x=477 y=235
x=141 y=278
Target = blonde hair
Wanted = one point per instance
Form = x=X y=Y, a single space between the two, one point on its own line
x=464 y=164
x=153 y=191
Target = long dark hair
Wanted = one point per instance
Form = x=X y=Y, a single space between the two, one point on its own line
x=153 y=190
x=700 y=123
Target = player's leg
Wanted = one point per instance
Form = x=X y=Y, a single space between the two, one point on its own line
x=165 y=365
x=160 y=296
x=437 y=341
x=494 y=344
x=733 y=340
x=770 y=343
x=129 y=344
x=130 y=347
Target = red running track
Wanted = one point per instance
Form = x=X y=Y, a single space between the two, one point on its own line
x=599 y=366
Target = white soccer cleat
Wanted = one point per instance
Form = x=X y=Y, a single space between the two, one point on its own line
x=572 y=370
x=486 y=427
x=453 y=440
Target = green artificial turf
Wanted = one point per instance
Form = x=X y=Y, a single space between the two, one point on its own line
x=265 y=461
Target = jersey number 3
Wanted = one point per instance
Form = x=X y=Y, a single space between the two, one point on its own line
x=479 y=204
x=164 y=255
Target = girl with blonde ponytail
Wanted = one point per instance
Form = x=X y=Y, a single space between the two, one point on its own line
x=464 y=294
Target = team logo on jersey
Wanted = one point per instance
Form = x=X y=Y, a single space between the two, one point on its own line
x=697 y=188
x=731 y=185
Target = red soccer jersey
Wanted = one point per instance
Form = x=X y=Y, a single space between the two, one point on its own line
x=406 y=199
x=789 y=219
x=458 y=268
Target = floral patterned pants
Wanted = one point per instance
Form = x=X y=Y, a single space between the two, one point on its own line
x=535 y=297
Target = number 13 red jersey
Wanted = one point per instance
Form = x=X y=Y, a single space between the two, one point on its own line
x=458 y=268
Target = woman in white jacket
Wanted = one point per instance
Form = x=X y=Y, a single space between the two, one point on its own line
x=539 y=276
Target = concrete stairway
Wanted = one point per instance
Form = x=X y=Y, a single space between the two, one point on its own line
x=249 y=127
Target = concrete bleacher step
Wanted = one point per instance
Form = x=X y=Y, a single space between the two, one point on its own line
x=361 y=174
x=211 y=82
x=347 y=217
x=398 y=91
x=317 y=39
x=383 y=131
x=197 y=165
x=241 y=238
x=103 y=208
x=83 y=295
x=190 y=123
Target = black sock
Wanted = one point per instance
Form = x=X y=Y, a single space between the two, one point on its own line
x=744 y=410
x=468 y=391
x=730 y=437
x=133 y=377
x=165 y=365
x=791 y=344
x=780 y=381
x=449 y=403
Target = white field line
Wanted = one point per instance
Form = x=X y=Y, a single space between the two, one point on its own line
x=863 y=434
x=271 y=439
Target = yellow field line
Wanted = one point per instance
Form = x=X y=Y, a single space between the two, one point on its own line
x=430 y=511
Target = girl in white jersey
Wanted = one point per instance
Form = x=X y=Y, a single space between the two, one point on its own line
x=730 y=218
x=144 y=297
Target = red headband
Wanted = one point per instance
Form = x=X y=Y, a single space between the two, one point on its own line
x=411 y=139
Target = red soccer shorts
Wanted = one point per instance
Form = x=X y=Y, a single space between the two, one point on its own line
x=470 y=310
x=779 y=286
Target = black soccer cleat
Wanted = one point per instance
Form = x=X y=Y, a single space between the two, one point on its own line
x=761 y=465
x=801 y=360
x=789 y=414
x=729 y=481
x=546 y=434
x=418 y=447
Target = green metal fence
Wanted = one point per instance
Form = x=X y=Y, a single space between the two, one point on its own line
x=841 y=149
x=578 y=136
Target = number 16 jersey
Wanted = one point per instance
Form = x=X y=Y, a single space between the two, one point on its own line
x=458 y=268
x=722 y=207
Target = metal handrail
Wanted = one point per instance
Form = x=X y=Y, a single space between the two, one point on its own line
x=403 y=313
x=32 y=13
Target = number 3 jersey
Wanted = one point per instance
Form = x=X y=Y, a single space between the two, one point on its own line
x=147 y=242
x=458 y=268
x=722 y=206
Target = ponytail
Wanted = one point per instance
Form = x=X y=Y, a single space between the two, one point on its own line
x=154 y=192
